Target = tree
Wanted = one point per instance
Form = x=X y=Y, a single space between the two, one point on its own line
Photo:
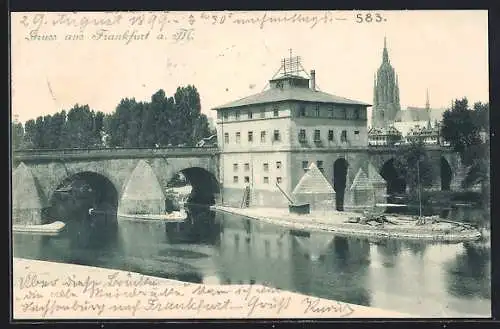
x=30 y=134
x=79 y=127
x=133 y=125
x=188 y=109
x=17 y=135
x=119 y=122
x=98 y=128
x=161 y=110
x=460 y=126
x=466 y=130
x=57 y=126
x=201 y=128
x=147 y=136
x=162 y=121
x=413 y=162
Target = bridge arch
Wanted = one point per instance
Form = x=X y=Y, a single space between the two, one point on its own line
x=81 y=191
x=204 y=184
x=395 y=183
x=340 y=167
x=205 y=187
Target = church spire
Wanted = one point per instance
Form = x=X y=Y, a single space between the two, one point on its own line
x=427 y=104
x=385 y=55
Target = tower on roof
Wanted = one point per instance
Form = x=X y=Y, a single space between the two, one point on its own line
x=385 y=93
x=292 y=74
x=291 y=65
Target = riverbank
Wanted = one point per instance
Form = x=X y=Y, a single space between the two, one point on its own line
x=334 y=221
x=65 y=291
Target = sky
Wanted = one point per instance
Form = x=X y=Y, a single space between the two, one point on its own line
x=445 y=52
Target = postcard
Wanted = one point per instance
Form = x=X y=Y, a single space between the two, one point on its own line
x=258 y=164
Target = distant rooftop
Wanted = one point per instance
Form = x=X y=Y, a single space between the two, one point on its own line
x=420 y=114
x=391 y=130
x=291 y=83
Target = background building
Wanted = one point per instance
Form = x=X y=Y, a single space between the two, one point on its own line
x=272 y=137
x=385 y=93
x=418 y=117
x=389 y=122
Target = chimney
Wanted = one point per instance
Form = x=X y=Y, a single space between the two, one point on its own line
x=313 y=80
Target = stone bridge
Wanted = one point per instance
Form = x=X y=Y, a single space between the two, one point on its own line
x=129 y=180
x=134 y=180
x=446 y=164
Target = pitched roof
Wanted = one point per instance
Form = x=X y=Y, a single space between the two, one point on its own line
x=361 y=181
x=420 y=114
x=391 y=130
x=374 y=176
x=296 y=93
x=313 y=181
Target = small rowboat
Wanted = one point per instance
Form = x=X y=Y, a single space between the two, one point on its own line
x=175 y=216
x=52 y=228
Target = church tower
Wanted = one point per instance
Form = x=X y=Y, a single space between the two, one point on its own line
x=385 y=93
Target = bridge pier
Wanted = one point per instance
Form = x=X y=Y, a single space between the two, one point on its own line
x=27 y=201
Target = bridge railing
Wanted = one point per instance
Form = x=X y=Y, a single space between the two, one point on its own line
x=117 y=152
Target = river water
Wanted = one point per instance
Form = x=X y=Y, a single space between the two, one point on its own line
x=422 y=279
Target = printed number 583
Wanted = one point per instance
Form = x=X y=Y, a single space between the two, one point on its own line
x=369 y=18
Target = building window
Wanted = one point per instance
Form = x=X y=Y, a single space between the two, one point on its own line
x=279 y=180
x=357 y=113
x=226 y=138
x=278 y=164
x=302 y=111
x=275 y=111
x=266 y=166
x=317 y=135
x=250 y=136
x=356 y=135
x=247 y=166
x=302 y=135
x=262 y=136
x=319 y=164
x=277 y=136
x=316 y=111
x=250 y=114
x=238 y=137
x=266 y=180
x=343 y=113
x=247 y=179
x=225 y=115
x=237 y=115
x=262 y=113
x=235 y=179
x=330 y=112
x=305 y=165
x=235 y=167
x=330 y=135
x=343 y=136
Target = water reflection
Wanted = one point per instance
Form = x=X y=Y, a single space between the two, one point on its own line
x=408 y=276
x=338 y=273
x=469 y=273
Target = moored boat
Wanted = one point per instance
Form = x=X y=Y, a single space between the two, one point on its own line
x=174 y=216
x=52 y=228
